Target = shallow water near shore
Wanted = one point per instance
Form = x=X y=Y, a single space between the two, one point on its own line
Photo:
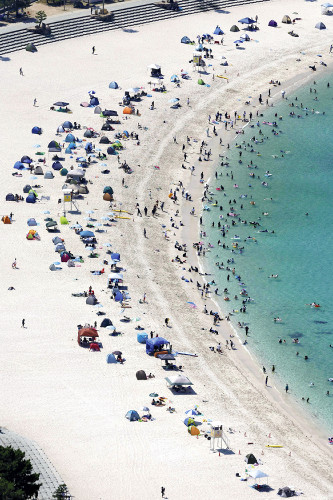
x=298 y=160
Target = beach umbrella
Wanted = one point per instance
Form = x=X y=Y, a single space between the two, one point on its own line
x=89 y=211
x=133 y=90
x=192 y=412
x=111 y=328
x=46 y=212
x=90 y=249
x=91 y=92
x=87 y=234
x=174 y=100
x=117 y=353
x=238 y=41
x=56 y=263
x=107 y=245
x=62 y=104
x=174 y=78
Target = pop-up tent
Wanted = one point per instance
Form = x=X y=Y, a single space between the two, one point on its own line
x=36 y=130
x=320 y=26
x=245 y=37
x=104 y=140
x=91 y=300
x=68 y=125
x=111 y=358
x=70 y=138
x=272 y=23
x=113 y=85
x=185 y=39
x=56 y=165
x=94 y=101
x=218 y=31
x=251 y=459
x=234 y=28
x=27 y=188
x=19 y=165
x=141 y=375
x=106 y=322
x=286 y=492
x=31 y=198
x=48 y=175
x=132 y=415
x=108 y=189
x=31 y=47
x=6 y=219
x=156 y=344
x=39 y=170
x=32 y=222
x=10 y=197
x=286 y=19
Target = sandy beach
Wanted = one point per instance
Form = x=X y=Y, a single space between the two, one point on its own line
x=69 y=400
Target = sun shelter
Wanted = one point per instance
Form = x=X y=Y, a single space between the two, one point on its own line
x=128 y=111
x=31 y=198
x=156 y=344
x=70 y=138
x=178 y=380
x=141 y=375
x=193 y=430
x=86 y=333
x=94 y=101
x=111 y=358
x=132 y=415
x=56 y=240
x=167 y=358
x=91 y=300
x=257 y=474
x=218 y=31
x=245 y=37
x=60 y=129
x=185 y=39
x=68 y=125
x=48 y=175
x=54 y=147
x=38 y=170
x=108 y=189
x=174 y=79
x=31 y=47
x=320 y=26
x=36 y=130
x=286 y=492
x=286 y=19
x=18 y=165
x=27 y=188
x=32 y=222
x=6 y=220
x=234 y=28
x=251 y=459
x=142 y=337
x=106 y=322
x=155 y=70
x=89 y=134
x=201 y=82
x=63 y=220
x=10 y=197
x=246 y=20
x=26 y=159
x=113 y=85
x=104 y=140
x=56 y=165
x=272 y=23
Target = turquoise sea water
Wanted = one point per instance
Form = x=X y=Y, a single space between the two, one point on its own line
x=299 y=250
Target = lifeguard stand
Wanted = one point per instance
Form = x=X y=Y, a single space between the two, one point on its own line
x=197 y=58
x=68 y=198
x=218 y=437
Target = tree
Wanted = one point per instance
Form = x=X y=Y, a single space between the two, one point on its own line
x=40 y=16
x=17 y=479
x=61 y=492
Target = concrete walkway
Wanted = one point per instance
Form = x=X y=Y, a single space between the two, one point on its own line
x=49 y=477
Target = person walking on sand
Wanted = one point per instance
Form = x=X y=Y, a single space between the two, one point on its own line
x=14 y=264
x=35 y=101
x=287 y=387
x=93 y=50
x=23 y=323
x=162 y=491
x=145 y=233
x=21 y=72
x=266 y=381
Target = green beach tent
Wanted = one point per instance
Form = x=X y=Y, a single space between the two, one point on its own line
x=234 y=28
x=201 y=82
x=31 y=47
x=63 y=221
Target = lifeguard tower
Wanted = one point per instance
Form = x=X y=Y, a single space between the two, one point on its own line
x=68 y=198
x=218 y=437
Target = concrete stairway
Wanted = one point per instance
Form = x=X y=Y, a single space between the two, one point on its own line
x=124 y=18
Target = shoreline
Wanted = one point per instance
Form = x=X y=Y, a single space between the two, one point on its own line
x=67 y=405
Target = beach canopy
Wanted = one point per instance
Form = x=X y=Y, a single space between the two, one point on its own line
x=234 y=28
x=178 y=380
x=111 y=358
x=141 y=375
x=166 y=357
x=246 y=20
x=272 y=23
x=36 y=130
x=218 y=31
x=286 y=19
x=113 y=85
x=256 y=473
x=132 y=415
x=155 y=344
x=31 y=47
x=320 y=26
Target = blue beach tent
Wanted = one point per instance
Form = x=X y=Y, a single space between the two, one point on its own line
x=68 y=125
x=94 y=101
x=111 y=358
x=155 y=344
x=115 y=257
x=26 y=159
x=113 y=85
x=56 y=165
x=320 y=26
x=185 y=39
x=246 y=20
x=142 y=337
x=31 y=198
x=218 y=31
x=19 y=166
x=70 y=138
x=36 y=130
x=132 y=415
x=87 y=234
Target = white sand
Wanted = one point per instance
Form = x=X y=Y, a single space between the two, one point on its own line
x=68 y=399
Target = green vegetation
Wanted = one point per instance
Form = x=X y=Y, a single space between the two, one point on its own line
x=40 y=16
x=17 y=480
